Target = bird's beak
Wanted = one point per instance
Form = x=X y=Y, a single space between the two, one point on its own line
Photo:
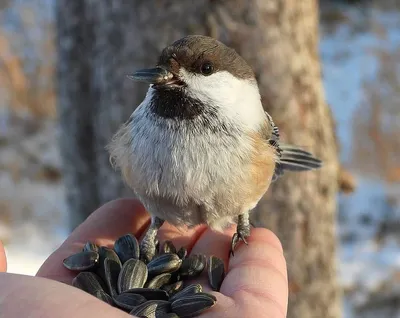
x=157 y=75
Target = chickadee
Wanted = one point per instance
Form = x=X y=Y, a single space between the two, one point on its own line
x=200 y=149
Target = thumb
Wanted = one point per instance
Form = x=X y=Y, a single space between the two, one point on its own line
x=3 y=259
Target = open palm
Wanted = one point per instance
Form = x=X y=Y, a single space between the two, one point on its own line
x=255 y=284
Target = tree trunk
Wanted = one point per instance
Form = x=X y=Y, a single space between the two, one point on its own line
x=100 y=42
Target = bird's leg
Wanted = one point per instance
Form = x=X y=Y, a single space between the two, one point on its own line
x=242 y=231
x=149 y=241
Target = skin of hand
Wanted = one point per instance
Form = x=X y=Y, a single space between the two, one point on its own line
x=255 y=285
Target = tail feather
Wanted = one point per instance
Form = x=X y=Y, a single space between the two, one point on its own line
x=295 y=159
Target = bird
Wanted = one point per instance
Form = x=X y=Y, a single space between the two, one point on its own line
x=200 y=148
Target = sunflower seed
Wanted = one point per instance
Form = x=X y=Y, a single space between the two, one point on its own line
x=111 y=274
x=193 y=305
x=164 y=263
x=169 y=315
x=81 y=261
x=193 y=265
x=168 y=248
x=182 y=253
x=127 y=247
x=158 y=281
x=129 y=301
x=88 y=282
x=148 y=293
x=106 y=252
x=172 y=289
x=89 y=246
x=187 y=291
x=133 y=275
x=92 y=284
x=151 y=308
x=216 y=272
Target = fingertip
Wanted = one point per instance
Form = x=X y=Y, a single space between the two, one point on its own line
x=266 y=236
x=258 y=271
x=3 y=259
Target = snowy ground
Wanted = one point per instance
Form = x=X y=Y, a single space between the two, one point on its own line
x=33 y=205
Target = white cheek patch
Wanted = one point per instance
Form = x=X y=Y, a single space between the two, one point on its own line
x=237 y=99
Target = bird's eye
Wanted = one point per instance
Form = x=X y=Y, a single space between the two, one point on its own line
x=207 y=68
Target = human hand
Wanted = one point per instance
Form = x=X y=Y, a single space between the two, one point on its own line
x=255 y=285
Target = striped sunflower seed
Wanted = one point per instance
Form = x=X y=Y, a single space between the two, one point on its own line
x=216 y=272
x=127 y=247
x=193 y=305
x=81 y=261
x=128 y=301
x=112 y=270
x=164 y=263
x=158 y=281
x=187 y=291
x=193 y=265
x=151 y=309
x=133 y=275
x=169 y=315
x=92 y=284
x=172 y=289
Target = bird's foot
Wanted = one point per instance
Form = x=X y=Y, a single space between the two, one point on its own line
x=148 y=248
x=149 y=244
x=241 y=234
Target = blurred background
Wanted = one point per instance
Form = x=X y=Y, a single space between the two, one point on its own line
x=359 y=51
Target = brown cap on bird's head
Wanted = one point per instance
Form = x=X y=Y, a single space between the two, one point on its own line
x=197 y=54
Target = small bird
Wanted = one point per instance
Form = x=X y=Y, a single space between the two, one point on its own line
x=200 y=149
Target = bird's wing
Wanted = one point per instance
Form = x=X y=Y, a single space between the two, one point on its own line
x=290 y=157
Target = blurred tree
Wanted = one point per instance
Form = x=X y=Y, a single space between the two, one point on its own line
x=99 y=42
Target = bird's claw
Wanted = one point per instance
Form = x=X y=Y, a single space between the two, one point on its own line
x=236 y=238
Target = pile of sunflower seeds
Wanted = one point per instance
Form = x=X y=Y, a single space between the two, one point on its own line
x=122 y=279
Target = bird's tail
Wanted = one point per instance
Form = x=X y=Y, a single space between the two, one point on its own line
x=296 y=159
x=292 y=158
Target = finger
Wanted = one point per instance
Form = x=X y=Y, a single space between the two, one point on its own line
x=26 y=296
x=256 y=280
x=102 y=227
x=3 y=259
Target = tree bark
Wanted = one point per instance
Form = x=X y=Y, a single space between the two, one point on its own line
x=99 y=42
